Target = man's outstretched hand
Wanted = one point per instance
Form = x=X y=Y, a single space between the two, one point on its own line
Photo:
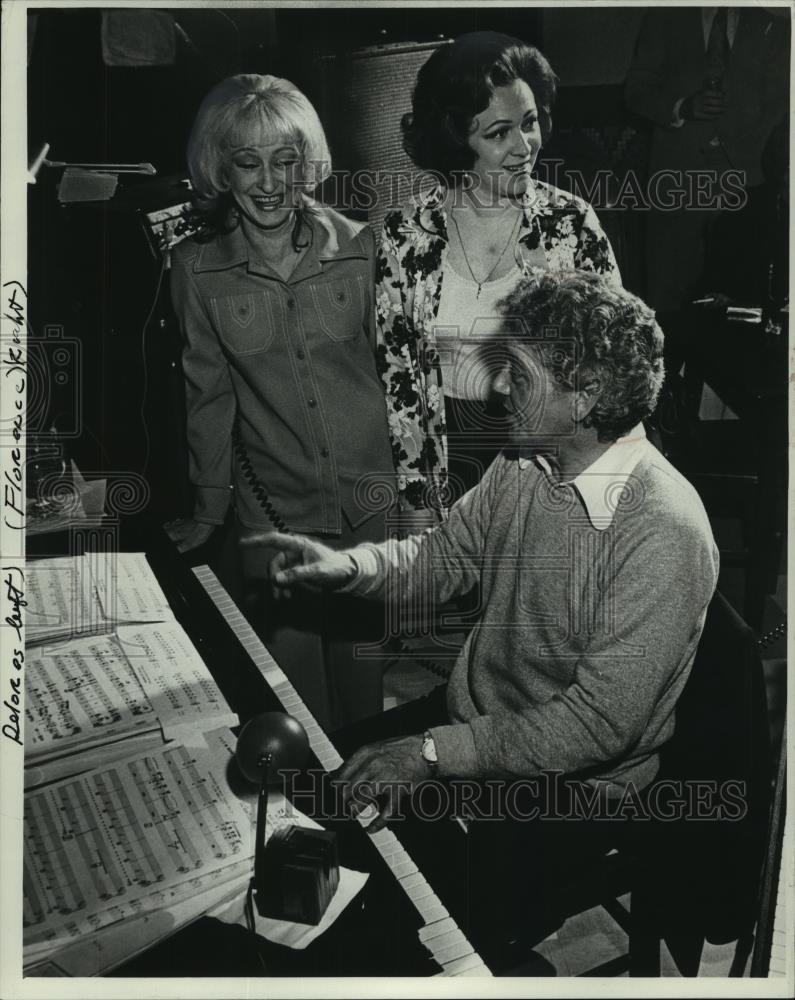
x=303 y=561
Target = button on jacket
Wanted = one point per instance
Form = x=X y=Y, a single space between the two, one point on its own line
x=294 y=360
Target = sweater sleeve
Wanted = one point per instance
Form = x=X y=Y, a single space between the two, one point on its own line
x=428 y=569
x=209 y=396
x=646 y=625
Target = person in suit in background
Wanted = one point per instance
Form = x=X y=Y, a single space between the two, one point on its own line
x=714 y=82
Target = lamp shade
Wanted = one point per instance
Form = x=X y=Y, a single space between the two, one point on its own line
x=274 y=734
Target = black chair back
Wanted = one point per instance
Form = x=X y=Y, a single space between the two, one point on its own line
x=708 y=868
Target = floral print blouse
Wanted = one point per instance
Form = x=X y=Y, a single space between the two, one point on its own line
x=558 y=230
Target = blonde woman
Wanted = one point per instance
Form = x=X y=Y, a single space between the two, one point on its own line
x=286 y=416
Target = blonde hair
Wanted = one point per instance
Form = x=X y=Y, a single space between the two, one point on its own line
x=240 y=108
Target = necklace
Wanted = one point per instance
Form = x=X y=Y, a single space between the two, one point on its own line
x=482 y=282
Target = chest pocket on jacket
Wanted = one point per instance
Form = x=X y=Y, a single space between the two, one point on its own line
x=245 y=322
x=340 y=307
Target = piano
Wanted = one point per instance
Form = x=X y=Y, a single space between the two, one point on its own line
x=398 y=925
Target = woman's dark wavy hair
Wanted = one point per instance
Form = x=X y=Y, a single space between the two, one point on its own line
x=602 y=333
x=457 y=83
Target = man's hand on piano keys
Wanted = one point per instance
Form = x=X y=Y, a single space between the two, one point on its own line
x=382 y=774
x=302 y=560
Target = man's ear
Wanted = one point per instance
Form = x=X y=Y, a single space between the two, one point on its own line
x=586 y=398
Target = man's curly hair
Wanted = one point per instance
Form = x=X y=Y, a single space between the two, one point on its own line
x=585 y=329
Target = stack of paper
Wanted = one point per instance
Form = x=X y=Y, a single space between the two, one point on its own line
x=131 y=826
x=118 y=858
x=88 y=693
x=90 y=595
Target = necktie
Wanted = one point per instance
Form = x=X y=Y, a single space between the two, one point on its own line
x=717 y=57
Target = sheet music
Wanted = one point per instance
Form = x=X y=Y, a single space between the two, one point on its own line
x=128 y=589
x=62 y=600
x=177 y=683
x=95 y=690
x=150 y=833
x=133 y=835
x=87 y=595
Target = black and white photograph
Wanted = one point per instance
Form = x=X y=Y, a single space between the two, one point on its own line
x=394 y=542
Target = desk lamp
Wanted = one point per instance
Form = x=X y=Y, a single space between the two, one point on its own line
x=296 y=874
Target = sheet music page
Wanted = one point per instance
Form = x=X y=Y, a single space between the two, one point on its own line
x=82 y=692
x=62 y=600
x=95 y=690
x=133 y=835
x=177 y=683
x=128 y=589
x=147 y=834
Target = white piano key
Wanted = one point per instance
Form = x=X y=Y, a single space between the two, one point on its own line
x=394 y=855
x=438 y=929
x=419 y=892
x=383 y=837
x=444 y=941
x=469 y=965
x=413 y=881
x=456 y=951
x=405 y=868
x=431 y=910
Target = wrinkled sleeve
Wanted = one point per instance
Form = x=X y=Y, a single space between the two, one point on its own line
x=209 y=397
x=396 y=350
x=423 y=571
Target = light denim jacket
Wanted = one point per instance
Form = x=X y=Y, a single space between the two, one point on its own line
x=293 y=361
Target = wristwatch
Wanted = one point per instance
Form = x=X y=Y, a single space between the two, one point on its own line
x=428 y=750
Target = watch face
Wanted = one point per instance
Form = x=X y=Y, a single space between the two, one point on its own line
x=429 y=750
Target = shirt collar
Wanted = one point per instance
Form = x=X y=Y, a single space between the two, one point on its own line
x=708 y=17
x=602 y=484
x=333 y=238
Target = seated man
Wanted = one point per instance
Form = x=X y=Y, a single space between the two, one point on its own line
x=595 y=562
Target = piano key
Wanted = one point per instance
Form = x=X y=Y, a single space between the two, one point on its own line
x=404 y=868
x=441 y=927
x=393 y=855
x=413 y=881
x=431 y=910
x=456 y=951
x=419 y=892
x=383 y=837
x=469 y=965
x=444 y=941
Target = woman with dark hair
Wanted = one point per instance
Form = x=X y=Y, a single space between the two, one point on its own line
x=285 y=409
x=481 y=111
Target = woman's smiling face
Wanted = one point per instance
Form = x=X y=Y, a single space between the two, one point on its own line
x=505 y=139
x=265 y=180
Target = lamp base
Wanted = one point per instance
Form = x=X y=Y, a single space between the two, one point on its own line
x=299 y=875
